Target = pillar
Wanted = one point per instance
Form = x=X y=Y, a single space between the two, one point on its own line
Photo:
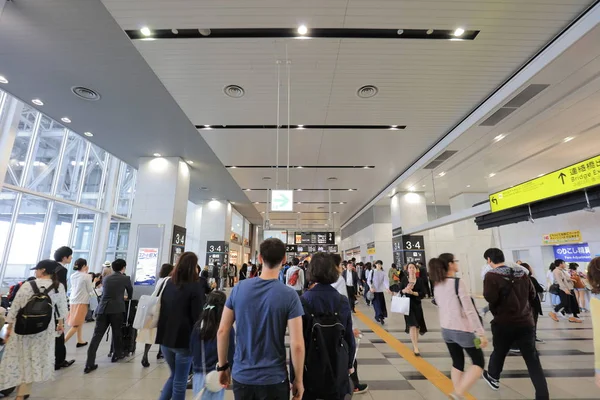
x=409 y=210
x=469 y=242
x=215 y=227
x=9 y=122
x=161 y=201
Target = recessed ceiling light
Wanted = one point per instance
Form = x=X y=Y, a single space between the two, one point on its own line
x=298 y=212
x=247 y=190
x=332 y=178
x=433 y=202
x=299 y=167
x=256 y=202
x=441 y=174
x=233 y=166
x=411 y=189
x=459 y=32
x=429 y=31
x=341 y=202
x=156 y=155
x=262 y=212
x=298 y=190
x=175 y=31
x=298 y=202
x=493 y=174
x=568 y=139
x=335 y=212
x=499 y=138
x=146 y=31
x=422 y=185
x=88 y=134
x=367 y=91
x=207 y=127
x=204 y=32
x=234 y=91
x=300 y=127
x=66 y=120
x=468 y=186
x=400 y=31
x=37 y=102
x=190 y=162
x=366 y=167
x=3 y=79
x=302 y=30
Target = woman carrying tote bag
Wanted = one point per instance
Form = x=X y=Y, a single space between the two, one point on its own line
x=147 y=334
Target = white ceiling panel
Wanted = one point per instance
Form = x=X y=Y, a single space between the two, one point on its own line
x=427 y=85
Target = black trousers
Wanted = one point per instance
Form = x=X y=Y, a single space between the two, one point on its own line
x=231 y=281
x=568 y=302
x=457 y=353
x=280 y=391
x=103 y=321
x=351 y=296
x=60 y=350
x=522 y=337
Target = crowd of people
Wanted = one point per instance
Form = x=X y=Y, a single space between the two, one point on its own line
x=313 y=301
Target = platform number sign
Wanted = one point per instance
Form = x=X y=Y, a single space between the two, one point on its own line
x=179 y=234
x=217 y=247
x=413 y=243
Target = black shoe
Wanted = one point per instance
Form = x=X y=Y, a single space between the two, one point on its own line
x=417 y=354
x=90 y=368
x=116 y=358
x=82 y=344
x=377 y=319
x=433 y=302
x=494 y=384
x=160 y=356
x=64 y=364
x=382 y=321
x=145 y=362
x=539 y=340
x=361 y=388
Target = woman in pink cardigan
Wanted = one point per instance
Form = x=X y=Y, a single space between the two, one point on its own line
x=461 y=327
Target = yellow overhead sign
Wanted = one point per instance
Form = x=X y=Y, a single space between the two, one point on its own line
x=563 y=237
x=578 y=176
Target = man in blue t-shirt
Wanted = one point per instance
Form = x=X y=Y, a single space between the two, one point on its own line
x=262 y=308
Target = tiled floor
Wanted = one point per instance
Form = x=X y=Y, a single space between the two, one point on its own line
x=567 y=357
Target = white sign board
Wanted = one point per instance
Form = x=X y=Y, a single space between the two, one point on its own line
x=282 y=200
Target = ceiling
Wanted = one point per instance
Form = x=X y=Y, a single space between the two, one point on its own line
x=152 y=97
x=558 y=127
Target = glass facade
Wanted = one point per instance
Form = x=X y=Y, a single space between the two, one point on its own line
x=55 y=194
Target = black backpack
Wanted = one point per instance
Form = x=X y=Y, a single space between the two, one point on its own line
x=36 y=316
x=327 y=358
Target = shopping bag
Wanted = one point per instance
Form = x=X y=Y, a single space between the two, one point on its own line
x=401 y=305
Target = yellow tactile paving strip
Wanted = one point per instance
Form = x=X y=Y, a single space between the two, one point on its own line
x=432 y=374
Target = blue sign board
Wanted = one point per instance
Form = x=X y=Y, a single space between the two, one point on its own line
x=579 y=252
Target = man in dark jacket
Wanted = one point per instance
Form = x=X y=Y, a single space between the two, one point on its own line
x=110 y=311
x=351 y=278
x=509 y=292
x=64 y=256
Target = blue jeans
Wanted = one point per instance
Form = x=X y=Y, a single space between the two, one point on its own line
x=179 y=361
x=207 y=395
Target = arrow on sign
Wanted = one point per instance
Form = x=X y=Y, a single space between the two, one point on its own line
x=562 y=177
x=282 y=200
x=495 y=200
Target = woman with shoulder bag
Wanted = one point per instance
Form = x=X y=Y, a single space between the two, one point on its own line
x=82 y=287
x=29 y=357
x=462 y=329
x=148 y=335
x=414 y=288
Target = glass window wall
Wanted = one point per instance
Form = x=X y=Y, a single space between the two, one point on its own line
x=53 y=196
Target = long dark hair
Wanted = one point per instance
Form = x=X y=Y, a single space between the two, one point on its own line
x=209 y=321
x=438 y=267
x=79 y=264
x=185 y=270
x=593 y=274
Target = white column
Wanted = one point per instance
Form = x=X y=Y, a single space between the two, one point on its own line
x=193 y=225
x=408 y=210
x=216 y=224
x=8 y=129
x=469 y=242
x=161 y=198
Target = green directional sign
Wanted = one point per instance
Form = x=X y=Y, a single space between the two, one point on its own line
x=282 y=200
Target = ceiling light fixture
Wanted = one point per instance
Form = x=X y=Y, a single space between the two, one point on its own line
x=207 y=127
x=88 y=134
x=335 y=212
x=441 y=174
x=298 y=212
x=3 y=79
x=247 y=190
x=190 y=162
x=394 y=127
x=411 y=189
x=299 y=167
x=234 y=91
x=302 y=30
x=459 y=32
x=568 y=139
x=262 y=212
x=298 y=202
x=341 y=202
x=400 y=31
x=37 y=102
x=429 y=31
x=66 y=120
x=499 y=138
x=300 y=127
x=366 y=167
x=493 y=174
x=351 y=190
x=256 y=202
x=298 y=190
x=422 y=185
x=233 y=167
x=204 y=32
x=156 y=155
x=146 y=31
x=468 y=186
x=367 y=91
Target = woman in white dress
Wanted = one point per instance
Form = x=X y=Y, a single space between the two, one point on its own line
x=82 y=286
x=30 y=358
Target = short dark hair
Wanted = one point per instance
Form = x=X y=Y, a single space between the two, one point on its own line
x=379 y=262
x=322 y=269
x=272 y=252
x=337 y=259
x=295 y=261
x=118 y=265
x=185 y=271
x=495 y=255
x=62 y=252
x=573 y=266
x=165 y=270
x=79 y=264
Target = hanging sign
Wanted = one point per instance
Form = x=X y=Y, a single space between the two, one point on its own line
x=563 y=237
x=371 y=248
x=579 y=252
x=282 y=200
x=578 y=176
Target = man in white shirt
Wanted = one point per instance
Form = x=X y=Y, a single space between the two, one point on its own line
x=294 y=277
x=351 y=278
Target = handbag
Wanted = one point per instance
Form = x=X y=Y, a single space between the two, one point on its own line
x=587 y=284
x=400 y=305
x=211 y=380
x=148 y=310
x=554 y=289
